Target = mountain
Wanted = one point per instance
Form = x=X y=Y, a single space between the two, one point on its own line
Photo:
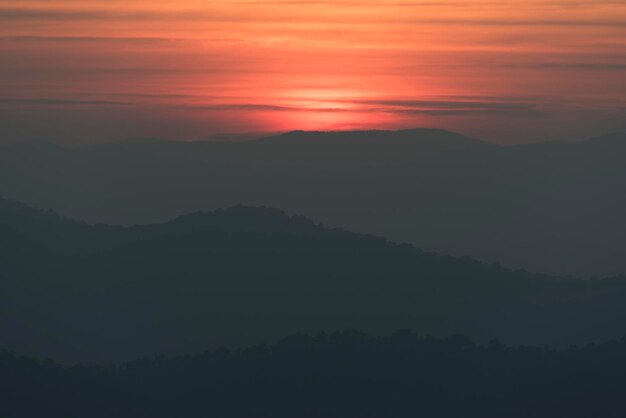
x=345 y=374
x=555 y=208
x=242 y=276
x=365 y=148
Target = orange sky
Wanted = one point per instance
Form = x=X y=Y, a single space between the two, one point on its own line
x=510 y=71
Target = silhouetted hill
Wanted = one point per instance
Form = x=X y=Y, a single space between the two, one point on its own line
x=12 y=212
x=303 y=148
x=249 y=275
x=398 y=143
x=553 y=207
x=345 y=374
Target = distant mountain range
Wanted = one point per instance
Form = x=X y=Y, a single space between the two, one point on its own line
x=246 y=275
x=554 y=207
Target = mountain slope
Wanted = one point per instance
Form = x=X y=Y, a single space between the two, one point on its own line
x=555 y=208
x=249 y=275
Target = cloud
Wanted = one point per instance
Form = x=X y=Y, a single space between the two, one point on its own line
x=582 y=66
x=263 y=108
x=61 y=102
x=90 y=39
x=241 y=14
x=454 y=104
x=400 y=107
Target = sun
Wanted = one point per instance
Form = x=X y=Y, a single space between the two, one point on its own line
x=322 y=109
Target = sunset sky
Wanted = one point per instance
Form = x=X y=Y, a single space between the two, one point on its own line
x=81 y=71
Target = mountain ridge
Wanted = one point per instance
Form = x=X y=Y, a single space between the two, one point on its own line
x=246 y=275
x=411 y=134
x=554 y=208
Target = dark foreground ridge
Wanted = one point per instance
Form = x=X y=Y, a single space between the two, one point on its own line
x=243 y=276
x=343 y=375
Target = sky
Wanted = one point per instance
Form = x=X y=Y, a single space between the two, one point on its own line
x=509 y=71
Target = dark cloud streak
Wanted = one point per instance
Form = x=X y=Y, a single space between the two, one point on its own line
x=26 y=14
x=61 y=102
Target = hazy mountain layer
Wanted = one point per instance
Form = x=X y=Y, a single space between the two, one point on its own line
x=251 y=275
x=555 y=207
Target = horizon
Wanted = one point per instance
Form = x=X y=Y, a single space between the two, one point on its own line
x=240 y=137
